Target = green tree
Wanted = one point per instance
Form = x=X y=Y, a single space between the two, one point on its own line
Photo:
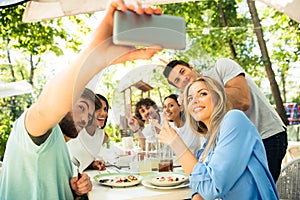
x=267 y=61
x=217 y=29
x=285 y=43
x=22 y=46
x=220 y=28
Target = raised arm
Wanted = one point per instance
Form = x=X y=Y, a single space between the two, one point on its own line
x=61 y=92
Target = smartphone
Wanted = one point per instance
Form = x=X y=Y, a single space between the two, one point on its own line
x=166 y=31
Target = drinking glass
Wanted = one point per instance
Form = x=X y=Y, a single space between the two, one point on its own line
x=165 y=163
x=145 y=166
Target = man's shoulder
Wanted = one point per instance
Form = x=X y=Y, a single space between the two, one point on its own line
x=225 y=63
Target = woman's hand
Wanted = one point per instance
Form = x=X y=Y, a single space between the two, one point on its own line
x=133 y=123
x=98 y=165
x=81 y=186
x=169 y=137
x=167 y=134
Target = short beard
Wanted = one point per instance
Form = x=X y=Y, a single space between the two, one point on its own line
x=68 y=127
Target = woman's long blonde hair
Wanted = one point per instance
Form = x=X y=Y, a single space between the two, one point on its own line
x=220 y=107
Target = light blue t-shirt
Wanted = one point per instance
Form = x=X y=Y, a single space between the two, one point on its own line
x=237 y=167
x=35 y=172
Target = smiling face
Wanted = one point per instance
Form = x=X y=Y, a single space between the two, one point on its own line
x=148 y=112
x=180 y=76
x=171 y=110
x=101 y=114
x=199 y=101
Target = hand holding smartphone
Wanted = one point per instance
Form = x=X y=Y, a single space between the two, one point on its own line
x=147 y=30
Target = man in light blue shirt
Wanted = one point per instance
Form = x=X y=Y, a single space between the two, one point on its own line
x=37 y=163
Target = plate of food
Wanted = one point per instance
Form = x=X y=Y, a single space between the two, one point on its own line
x=118 y=179
x=166 y=180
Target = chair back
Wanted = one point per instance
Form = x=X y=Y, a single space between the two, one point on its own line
x=288 y=183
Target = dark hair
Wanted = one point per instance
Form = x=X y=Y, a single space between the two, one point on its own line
x=171 y=65
x=88 y=94
x=67 y=122
x=175 y=97
x=143 y=102
x=99 y=97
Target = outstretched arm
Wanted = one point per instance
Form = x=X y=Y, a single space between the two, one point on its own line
x=61 y=92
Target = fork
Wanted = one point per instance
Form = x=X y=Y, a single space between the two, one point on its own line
x=76 y=162
x=109 y=164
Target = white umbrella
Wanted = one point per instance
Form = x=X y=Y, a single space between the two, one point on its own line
x=14 y=88
x=48 y=9
x=288 y=7
x=9 y=3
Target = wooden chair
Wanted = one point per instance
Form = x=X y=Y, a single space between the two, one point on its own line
x=288 y=183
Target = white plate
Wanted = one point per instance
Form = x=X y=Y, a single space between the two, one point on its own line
x=151 y=181
x=115 y=179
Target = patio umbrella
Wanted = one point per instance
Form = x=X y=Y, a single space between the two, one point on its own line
x=10 y=3
x=288 y=7
x=48 y=9
x=14 y=88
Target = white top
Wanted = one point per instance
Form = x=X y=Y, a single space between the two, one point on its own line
x=86 y=148
x=261 y=113
x=192 y=141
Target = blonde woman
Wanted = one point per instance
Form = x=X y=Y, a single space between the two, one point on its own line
x=232 y=162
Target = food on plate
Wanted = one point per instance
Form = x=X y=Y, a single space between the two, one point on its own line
x=168 y=179
x=120 y=179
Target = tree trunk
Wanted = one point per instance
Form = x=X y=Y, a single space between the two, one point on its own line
x=31 y=69
x=267 y=62
x=12 y=72
x=224 y=24
x=283 y=85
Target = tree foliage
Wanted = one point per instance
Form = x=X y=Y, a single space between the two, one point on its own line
x=22 y=46
x=211 y=38
x=215 y=28
x=218 y=27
